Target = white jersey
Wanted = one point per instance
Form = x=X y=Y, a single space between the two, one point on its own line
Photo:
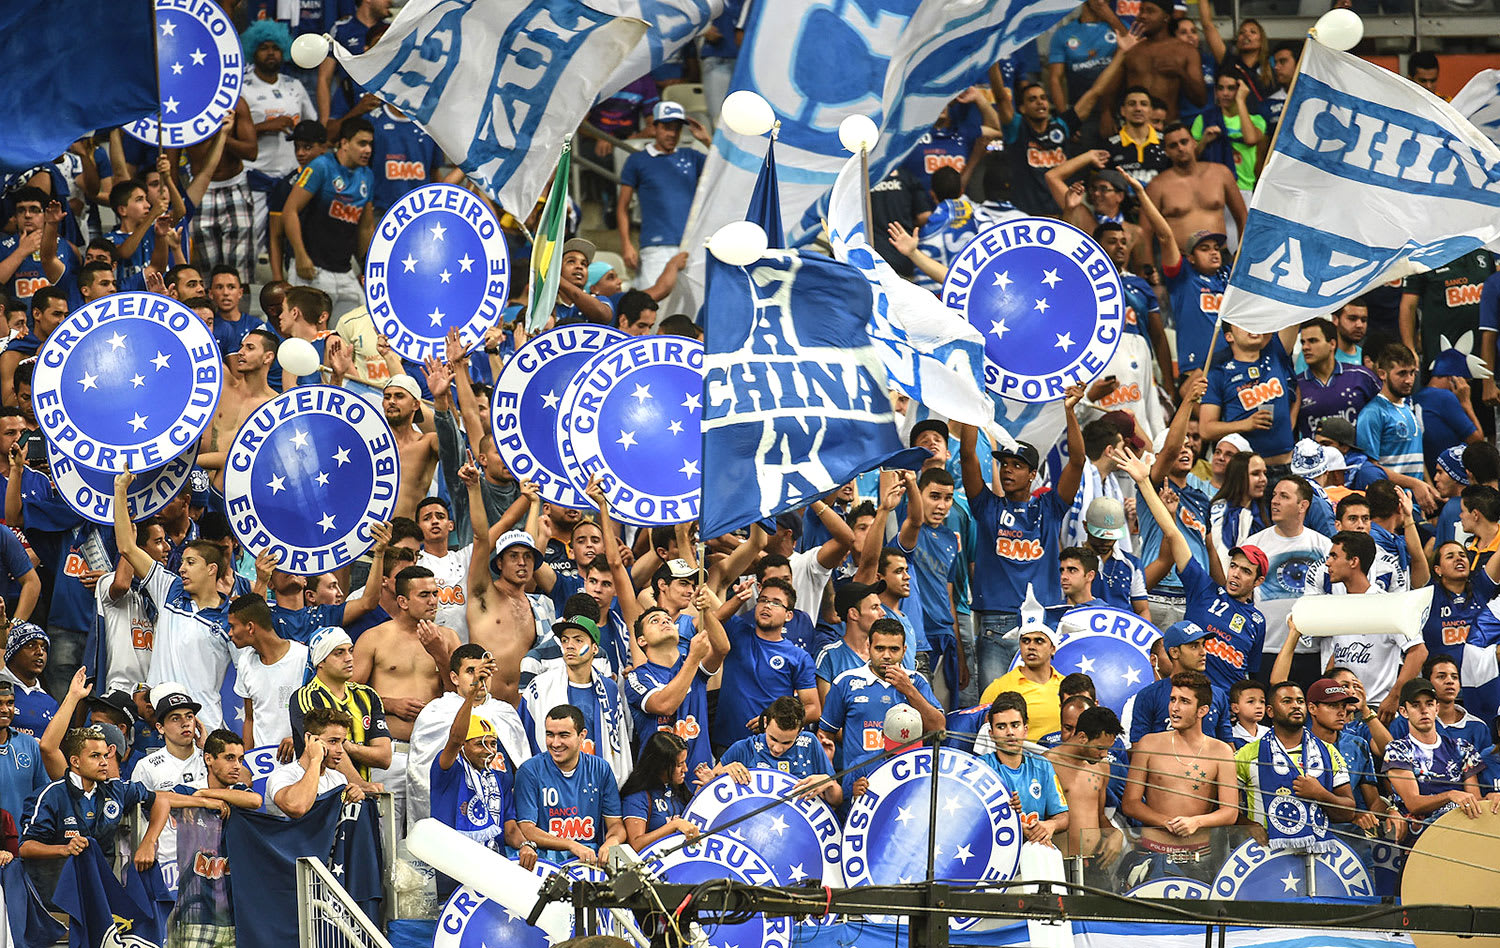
x=267 y=100
x=160 y=770
x=128 y=633
x=452 y=574
x=269 y=689
x=288 y=774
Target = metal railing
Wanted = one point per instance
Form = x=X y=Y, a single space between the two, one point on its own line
x=327 y=916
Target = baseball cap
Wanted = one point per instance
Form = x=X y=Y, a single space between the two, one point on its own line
x=681 y=569
x=1202 y=235
x=668 y=112
x=1452 y=463
x=585 y=247
x=1308 y=458
x=1111 y=177
x=1023 y=452
x=1333 y=459
x=1416 y=688
x=176 y=701
x=117 y=700
x=1255 y=555
x=1183 y=632
x=512 y=538
x=115 y=738
x=849 y=595
x=1337 y=429
x=308 y=130
x=1105 y=519
x=479 y=727
x=581 y=623
x=930 y=424
x=407 y=384
x=1328 y=691
x=790 y=521
x=1237 y=441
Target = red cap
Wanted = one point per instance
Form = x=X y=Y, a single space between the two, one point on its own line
x=1255 y=555
x=1328 y=691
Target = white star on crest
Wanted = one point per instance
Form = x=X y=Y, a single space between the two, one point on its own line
x=778 y=825
x=197 y=56
x=437 y=231
x=300 y=439
x=798 y=873
x=1064 y=341
x=550 y=399
x=116 y=341
x=466 y=263
x=161 y=361
x=168 y=28
x=436 y=316
x=89 y=381
x=177 y=69
x=1085 y=664
x=341 y=456
x=641 y=393
x=690 y=469
x=1051 y=278
x=1132 y=676
x=337 y=869
x=239 y=713
x=998 y=329
x=952 y=806
x=692 y=402
x=1042 y=306
x=322 y=479
x=963 y=854
x=903 y=814
x=1003 y=280
x=675 y=427
x=1289 y=881
x=445 y=276
x=137 y=380
x=170 y=104
x=326 y=521
x=626 y=439
x=138 y=422
x=277 y=484
x=410 y=263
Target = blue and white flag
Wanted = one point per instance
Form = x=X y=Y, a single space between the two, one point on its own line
x=27 y=921
x=795 y=401
x=199 y=68
x=913 y=58
x=104 y=913
x=498 y=84
x=931 y=353
x=1479 y=102
x=673 y=24
x=1372 y=178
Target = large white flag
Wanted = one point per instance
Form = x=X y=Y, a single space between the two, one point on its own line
x=498 y=84
x=1479 y=102
x=1372 y=178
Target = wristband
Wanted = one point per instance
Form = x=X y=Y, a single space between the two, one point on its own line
x=1369 y=717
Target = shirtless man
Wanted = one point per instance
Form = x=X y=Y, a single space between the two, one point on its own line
x=1082 y=767
x=402 y=401
x=1192 y=194
x=245 y=391
x=1181 y=784
x=1162 y=63
x=400 y=658
x=502 y=618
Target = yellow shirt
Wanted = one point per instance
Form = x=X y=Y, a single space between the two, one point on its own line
x=1043 y=707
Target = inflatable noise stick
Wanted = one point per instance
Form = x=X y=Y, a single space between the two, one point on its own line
x=1402 y=613
x=487 y=872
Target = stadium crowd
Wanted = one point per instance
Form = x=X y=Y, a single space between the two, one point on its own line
x=580 y=678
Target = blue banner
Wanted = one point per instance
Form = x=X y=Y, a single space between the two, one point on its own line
x=31 y=926
x=108 y=78
x=101 y=909
x=795 y=400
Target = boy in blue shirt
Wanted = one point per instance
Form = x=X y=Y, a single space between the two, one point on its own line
x=1251 y=391
x=567 y=801
x=932 y=553
x=1430 y=772
x=783 y=745
x=136 y=238
x=1034 y=790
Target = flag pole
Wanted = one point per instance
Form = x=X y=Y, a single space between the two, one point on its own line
x=1270 y=153
x=864 y=187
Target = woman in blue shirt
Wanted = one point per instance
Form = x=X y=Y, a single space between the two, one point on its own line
x=655 y=794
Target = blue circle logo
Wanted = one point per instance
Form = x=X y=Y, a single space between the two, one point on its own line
x=1111 y=646
x=800 y=839
x=199 y=68
x=307 y=475
x=437 y=262
x=1170 y=887
x=1047 y=300
x=1255 y=873
x=721 y=857
x=471 y=920
x=91 y=493
x=130 y=379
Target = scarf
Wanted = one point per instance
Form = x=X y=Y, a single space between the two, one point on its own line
x=481 y=804
x=1293 y=823
x=611 y=734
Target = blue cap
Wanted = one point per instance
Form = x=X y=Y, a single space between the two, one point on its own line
x=1451 y=462
x=1183 y=632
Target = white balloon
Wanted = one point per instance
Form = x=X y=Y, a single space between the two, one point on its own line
x=309 y=50
x=297 y=357
x=858 y=131
x=738 y=244
x=1339 y=29
x=747 y=112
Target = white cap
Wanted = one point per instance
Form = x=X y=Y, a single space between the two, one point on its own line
x=407 y=384
x=1238 y=440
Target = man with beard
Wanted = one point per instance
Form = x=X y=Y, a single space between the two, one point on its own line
x=1387 y=428
x=402 y=403
x=276 y=106
x=1290 y=775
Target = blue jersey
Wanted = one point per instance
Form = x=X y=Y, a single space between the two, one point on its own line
x=945 y=147
x=803 y=759
x=1121 y=582
x=761 y=671
x=1017 y=546
x=856 y=705
x=935 y=565
x=835 y=659
x=31 y=276
x=1192 y=520
x=656 y=806
x=402 y=159
x=1140 y=303
x=1349 y=389
x=130 y=273
x=1033 y=786
x=477 y=803
x=298 y=625
x=330 y=221
x=1389 y=433
x=690 y=719
x=1149 y=712
x=1237 y=629
x=1084 y=51
x=353 y=35
x=35 y=709
x=573 y=807
x=61 y=811
x=1442 y=421
x=1469 y=728
x=964 y=726
x=21 y=772
x=1195 y=308
x=666 y=184
x=229 y=334
x=1454 y=616
x=1356 y=752
x=948 y=230
x=1242 y=388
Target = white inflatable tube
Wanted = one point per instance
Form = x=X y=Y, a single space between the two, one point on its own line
x=1401 y=613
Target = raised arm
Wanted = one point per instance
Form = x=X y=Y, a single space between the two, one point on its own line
x=1152 y=217
x=1072 y=473
x=125 y=530
x=1110 y=77
x=1171 y=536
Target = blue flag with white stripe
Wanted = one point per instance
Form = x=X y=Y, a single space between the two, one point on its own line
x=795 y=400
x=1372 y=178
